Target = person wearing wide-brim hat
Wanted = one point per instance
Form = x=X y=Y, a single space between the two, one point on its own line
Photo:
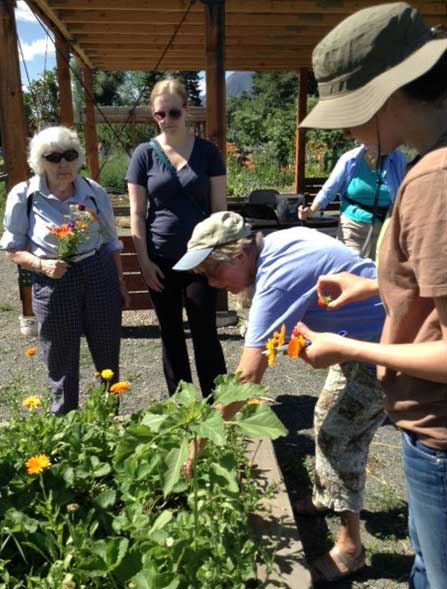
x=382 y=75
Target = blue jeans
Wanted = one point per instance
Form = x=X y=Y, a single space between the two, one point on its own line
x=426 y=478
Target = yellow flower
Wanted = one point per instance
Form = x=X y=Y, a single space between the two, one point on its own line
x=280 y=337
x=107 y=374
x=97 y=374
x=32 y=402
x=37 y=464
x=119 y=387
x=30 y=351
x=270 y=347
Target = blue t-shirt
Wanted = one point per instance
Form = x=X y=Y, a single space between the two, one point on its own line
x=288 y=268
x=172 y=214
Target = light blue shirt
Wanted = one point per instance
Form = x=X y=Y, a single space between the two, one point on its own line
x=393 y=171
x=288 y=267
x=23 y=232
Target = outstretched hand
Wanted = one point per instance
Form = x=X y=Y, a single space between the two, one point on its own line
x=344 y=288
x=325 y=349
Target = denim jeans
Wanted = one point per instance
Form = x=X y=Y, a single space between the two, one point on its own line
x=426 y=478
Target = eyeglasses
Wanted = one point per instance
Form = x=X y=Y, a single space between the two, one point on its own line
x=55 y=156
x=174 y=113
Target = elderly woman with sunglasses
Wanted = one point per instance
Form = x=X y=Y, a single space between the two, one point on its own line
x=83 y=292
x=175 y=181
x=382 y=74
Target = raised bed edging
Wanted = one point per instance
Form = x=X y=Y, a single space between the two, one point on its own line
x=278 y=525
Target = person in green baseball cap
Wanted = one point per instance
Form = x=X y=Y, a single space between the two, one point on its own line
x=382 y=77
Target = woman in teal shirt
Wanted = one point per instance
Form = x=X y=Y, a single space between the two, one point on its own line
x=363 y=207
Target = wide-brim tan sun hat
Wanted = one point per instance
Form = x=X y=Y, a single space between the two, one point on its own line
x=365 y=59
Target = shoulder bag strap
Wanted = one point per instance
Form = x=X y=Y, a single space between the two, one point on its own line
x=162 y=157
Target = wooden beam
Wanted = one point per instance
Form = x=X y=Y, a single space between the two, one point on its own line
x=64 y=81
x=91 y=142
x=12 y=112
x=300 y=141
x=79 y=30
x=343 y=7
x=51 y=20
x=243 y=44
x=215 y=72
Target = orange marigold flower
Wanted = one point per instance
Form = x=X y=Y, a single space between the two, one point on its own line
x=30 y=351
x=32 y=402
x=119 y=387
x=296 y=344
x=37 y=464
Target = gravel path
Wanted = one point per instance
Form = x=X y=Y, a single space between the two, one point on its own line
x=293 y=384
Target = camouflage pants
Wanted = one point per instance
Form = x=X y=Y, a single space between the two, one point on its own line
x=347 y=414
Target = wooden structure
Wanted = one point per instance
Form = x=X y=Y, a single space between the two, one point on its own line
x=141 y=114
x=210 y=35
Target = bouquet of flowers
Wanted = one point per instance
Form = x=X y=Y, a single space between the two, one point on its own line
x=71 y=234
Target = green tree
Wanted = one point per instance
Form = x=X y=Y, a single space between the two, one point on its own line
x=41 y=100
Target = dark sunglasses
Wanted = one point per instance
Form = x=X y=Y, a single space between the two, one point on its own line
x=55 y=156
x=174 y=113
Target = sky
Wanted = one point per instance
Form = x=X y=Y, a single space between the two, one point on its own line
x=38 y=49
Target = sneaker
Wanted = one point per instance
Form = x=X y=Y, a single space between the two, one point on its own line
x=28 y=325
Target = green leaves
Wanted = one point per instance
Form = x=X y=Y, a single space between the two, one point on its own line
x=114 y=508
x=229 y=390
x=261 y=422
x=174 y=462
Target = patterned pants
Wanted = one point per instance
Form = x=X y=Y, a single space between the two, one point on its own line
x=347 y=414
x=86 y=300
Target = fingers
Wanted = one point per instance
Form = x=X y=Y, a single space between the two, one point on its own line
x=305 y=331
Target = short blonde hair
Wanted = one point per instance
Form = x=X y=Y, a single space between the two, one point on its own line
x=51 y=139
x=169 y=86
x=225 y=254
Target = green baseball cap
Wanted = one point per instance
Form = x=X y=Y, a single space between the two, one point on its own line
x=367 y=57
x=218 y=229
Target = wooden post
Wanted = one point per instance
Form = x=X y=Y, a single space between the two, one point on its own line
x=91 y=142
x=12 y=116
x=12 y=111
x=300 y=140
x=64 y=81
x=215 y=72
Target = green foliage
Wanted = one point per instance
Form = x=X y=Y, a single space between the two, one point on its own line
x=113 y=173
x=263 y=173
x=42 y=101
x=113 y=510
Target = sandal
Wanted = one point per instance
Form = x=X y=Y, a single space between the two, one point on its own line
x=327 y=567
x=305 y=506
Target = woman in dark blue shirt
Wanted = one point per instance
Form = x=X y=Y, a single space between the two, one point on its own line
x=174 y=182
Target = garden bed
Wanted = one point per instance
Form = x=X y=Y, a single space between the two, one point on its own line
x=94 y=501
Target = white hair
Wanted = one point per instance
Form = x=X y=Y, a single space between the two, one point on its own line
x=53 y=139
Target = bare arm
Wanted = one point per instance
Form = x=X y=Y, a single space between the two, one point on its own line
x=138 y=206
x=28 y=261
x=218 y=193
x=427 y=360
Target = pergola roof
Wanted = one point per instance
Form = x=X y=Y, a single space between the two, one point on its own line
x=259 y=34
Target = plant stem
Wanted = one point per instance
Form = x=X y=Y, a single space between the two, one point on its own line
x=194 y=482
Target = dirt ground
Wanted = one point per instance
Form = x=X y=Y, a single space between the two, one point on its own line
x=295 y=387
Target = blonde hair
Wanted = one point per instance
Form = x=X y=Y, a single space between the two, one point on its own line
x=51 y=139
x=169 y=86
x=225 y=254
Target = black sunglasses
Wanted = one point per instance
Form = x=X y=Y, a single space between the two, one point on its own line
x=174 y=113
x=55 y=156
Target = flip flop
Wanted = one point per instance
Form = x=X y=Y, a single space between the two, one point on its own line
x=306 y=507
x=327 y=565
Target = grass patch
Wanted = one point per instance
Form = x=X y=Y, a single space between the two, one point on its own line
x=6 y=308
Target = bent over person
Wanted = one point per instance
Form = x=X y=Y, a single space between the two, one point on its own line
x=60 y=226
x=283 y=268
